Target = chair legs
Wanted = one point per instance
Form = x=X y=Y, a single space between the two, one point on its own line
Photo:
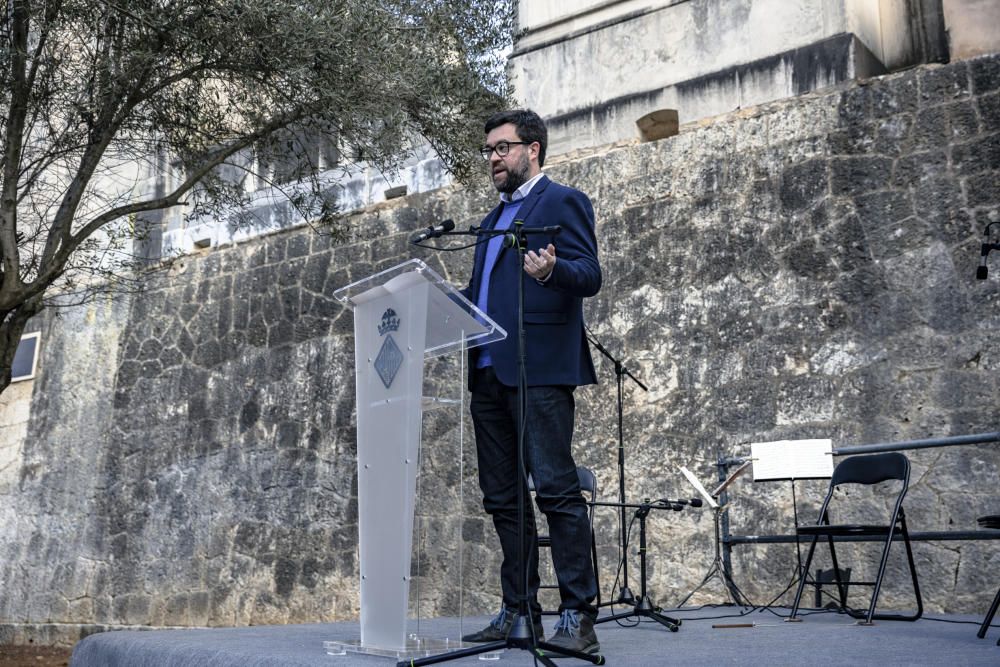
x=802 y=581
x=881 y=571
x=842 y=588
x=913 y=571
x=588 y=484
x=593 y=558
x=989 y=617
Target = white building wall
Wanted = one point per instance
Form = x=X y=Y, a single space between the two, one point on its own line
x=973 y=27
x=595 y=66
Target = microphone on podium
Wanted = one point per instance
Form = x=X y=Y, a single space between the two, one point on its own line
x=432 y=232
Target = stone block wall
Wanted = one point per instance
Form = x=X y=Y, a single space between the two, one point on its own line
x=802 y=269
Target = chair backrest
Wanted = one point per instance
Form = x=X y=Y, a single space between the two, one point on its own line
x=588 y=481
x=872 y=469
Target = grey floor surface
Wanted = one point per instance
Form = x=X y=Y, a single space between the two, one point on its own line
x=822 y=639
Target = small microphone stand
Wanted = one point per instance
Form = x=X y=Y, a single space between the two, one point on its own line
x=644 y=607
x=625 y=595
x=522 y=633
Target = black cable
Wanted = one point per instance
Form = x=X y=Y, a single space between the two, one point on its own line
x=624 y=555
x=748 y=612
x=794 y=580
x=846 y=609
x=949 y=620
x=421 y=244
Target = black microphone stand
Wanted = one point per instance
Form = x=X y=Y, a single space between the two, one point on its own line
x=644 y=607
x=522 y=633
x=625 y=595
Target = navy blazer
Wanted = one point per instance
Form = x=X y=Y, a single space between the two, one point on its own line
x=557 y=350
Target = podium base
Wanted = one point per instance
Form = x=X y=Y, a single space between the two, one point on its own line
x=416 y=647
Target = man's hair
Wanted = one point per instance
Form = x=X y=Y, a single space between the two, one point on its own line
x=530 y=127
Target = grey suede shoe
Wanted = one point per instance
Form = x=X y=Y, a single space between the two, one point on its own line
x=499 y=628
x=574 y=631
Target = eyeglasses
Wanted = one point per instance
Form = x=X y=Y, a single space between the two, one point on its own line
x=502 y=148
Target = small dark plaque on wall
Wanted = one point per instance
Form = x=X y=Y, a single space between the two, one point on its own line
x=396 y=192
x=26 y=358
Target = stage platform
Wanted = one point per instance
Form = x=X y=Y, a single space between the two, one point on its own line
x=823 y=638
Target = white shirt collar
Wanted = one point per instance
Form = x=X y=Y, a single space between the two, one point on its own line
x=522 y=191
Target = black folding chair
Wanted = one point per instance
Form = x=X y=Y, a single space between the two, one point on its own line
x=864 y=470
x=990 y=522
x=588 y=485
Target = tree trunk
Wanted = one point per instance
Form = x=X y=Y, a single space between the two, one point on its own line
x=11 y=329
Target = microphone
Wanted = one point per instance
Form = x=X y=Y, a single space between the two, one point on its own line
x=432 y=232
x=509 y=240
x=678 y=505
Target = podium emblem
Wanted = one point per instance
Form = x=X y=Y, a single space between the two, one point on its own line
x=390 y=322
x=390 y=357
x=388 y=361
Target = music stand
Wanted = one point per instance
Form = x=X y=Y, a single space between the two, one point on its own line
x=718 y=567
x=792 y=460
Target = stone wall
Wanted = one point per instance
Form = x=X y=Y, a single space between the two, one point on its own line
x=803 y=269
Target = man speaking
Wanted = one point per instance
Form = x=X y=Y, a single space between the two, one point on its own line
x=561 y=271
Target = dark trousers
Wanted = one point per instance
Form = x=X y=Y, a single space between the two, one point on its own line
x=548 y=437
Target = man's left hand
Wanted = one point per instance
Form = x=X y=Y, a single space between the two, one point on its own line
x=539 y=265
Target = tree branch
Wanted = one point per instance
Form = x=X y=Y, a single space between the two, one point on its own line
x=13 y=141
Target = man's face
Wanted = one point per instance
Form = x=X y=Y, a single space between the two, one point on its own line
x=518 y=166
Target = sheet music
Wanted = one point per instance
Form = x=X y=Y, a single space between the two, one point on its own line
x=699 y=487
x=792 y=459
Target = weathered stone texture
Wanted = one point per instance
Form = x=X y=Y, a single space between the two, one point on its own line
x=803 y=269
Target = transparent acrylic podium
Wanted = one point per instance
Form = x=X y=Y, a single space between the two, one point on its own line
x=402 y=317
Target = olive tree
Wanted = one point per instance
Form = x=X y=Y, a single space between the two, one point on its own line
x=94 y=90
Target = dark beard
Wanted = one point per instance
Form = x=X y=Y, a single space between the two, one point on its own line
x=517 y=175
